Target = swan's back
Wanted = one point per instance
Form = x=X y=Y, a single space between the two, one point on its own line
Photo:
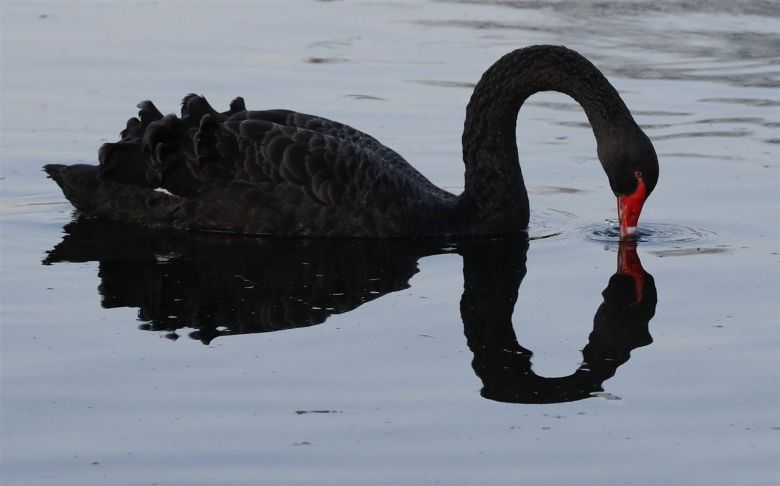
x=255 y=172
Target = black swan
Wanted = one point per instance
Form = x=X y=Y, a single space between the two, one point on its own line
x=278 y=172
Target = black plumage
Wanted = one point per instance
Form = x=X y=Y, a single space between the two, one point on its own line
x=286 y=173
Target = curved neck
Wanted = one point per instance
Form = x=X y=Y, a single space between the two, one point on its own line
x=493 y=180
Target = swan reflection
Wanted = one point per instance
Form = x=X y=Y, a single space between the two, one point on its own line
x=218 y=285
x=491 y=280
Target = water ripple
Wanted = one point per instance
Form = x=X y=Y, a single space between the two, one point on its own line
x=647 y=233
x=715 y=134
x=755 y=102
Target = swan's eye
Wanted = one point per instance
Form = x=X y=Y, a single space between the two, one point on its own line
x=638 y=174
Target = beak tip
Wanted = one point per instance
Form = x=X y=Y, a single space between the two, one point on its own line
x=628 y=232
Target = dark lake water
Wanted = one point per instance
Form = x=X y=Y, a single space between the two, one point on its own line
x=139 y=357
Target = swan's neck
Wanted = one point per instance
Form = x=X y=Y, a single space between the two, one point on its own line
x=493 y=181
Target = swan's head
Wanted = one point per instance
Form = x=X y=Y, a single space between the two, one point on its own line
x=632 y=168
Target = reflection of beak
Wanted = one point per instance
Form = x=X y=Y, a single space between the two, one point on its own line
x=629 y=264
x=629 y=208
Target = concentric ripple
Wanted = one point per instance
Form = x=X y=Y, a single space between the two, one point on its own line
x=647 y=233
x=549 y=223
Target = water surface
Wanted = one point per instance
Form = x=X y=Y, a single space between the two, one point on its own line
x=135 y=357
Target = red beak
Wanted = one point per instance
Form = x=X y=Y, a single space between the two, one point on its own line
x=629 y=208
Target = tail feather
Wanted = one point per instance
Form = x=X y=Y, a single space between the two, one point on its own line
x=77 y=183
x=179 y=154
x=96 y=196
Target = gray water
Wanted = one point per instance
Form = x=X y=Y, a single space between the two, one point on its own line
x=138 y=358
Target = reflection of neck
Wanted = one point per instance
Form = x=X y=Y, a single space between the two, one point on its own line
x=492 y=277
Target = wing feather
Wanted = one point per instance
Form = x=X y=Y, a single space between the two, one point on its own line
x=289 y=172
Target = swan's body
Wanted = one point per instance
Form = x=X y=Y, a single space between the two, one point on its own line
x=286 y=173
